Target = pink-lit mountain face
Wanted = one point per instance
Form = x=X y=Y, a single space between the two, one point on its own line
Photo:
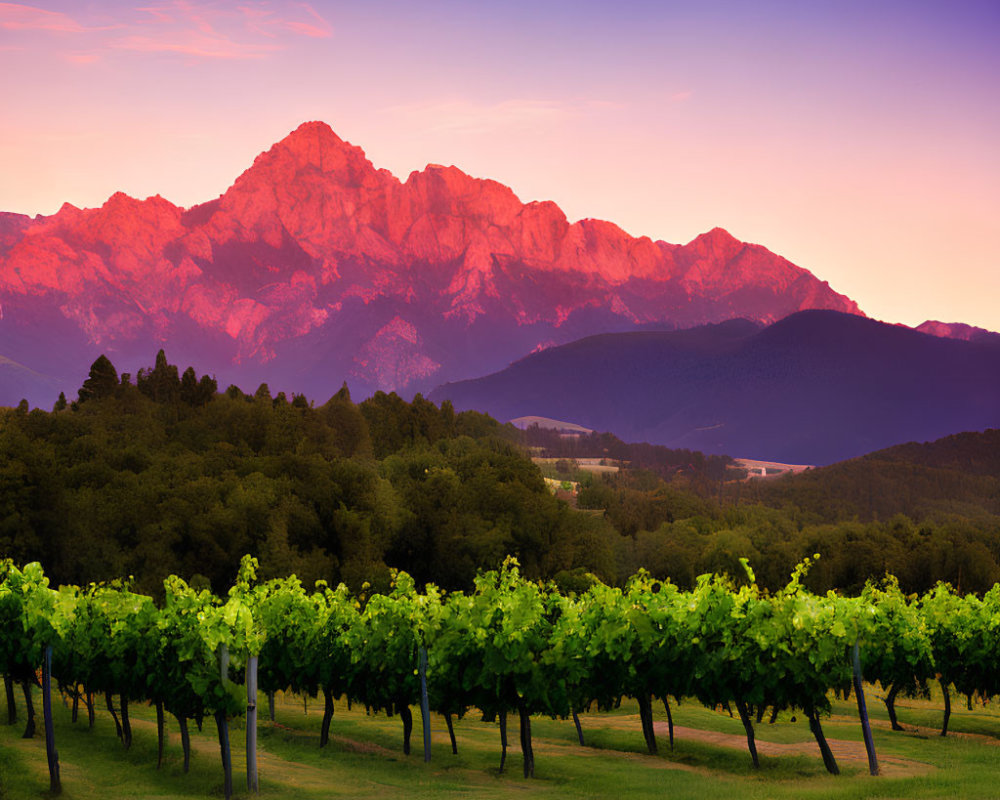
x=958 y=330
x=316 y=267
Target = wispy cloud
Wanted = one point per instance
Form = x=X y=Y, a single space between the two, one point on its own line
x=263 y=19
x=195 y=44
x=204 y=30
x=19 y=17
x=198 y=31
x=469 y=117
x=222 y=31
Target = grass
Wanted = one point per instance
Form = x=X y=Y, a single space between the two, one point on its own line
x=364 y=758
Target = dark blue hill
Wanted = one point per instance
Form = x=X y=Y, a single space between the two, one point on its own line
x=814 y=388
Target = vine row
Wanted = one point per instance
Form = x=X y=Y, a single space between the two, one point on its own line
x=508 y=646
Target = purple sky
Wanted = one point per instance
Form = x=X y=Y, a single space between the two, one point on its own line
x=861 y=140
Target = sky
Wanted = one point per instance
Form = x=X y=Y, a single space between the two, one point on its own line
x=858 y=139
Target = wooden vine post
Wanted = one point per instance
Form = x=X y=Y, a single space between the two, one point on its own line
x=223 y=725
x=55 y=787
x=866 y=727
x=503 y=738
x=251 y=683
x=160 y=733
x=29 y=728
x=8 y=685
x=425 y=713
x=741 y=707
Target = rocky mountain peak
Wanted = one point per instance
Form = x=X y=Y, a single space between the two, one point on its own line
x=313 y=249
x=716 y=242
x=314 y=147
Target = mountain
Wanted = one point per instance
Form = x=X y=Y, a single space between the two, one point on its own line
x=959 y=330
x=12 y=227
x=813 y=388
x=18 y=380
x=315 y=267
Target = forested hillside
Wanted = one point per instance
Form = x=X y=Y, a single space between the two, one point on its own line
x=161 y=473
x=924 y=512
x=956 y=475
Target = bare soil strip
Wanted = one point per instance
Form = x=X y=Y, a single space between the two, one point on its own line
x=925 y=732
x=549 y=747
x=852 y=753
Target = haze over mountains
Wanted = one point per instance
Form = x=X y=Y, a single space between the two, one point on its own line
x=316 y=267
x=814 y=388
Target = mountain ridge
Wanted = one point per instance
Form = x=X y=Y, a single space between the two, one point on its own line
x=958 y=330
x=316 y=256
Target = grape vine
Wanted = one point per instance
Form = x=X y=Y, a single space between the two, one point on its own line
x=508 y=646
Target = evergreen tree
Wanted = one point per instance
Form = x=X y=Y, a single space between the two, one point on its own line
x=350 y=429
x=161 y=384
x=197 y=392
x=102 y=381
x=189 y=387
x=208 y=387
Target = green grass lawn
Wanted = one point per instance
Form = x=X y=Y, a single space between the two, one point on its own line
x=365 y=760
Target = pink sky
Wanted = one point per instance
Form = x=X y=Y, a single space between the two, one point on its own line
x=857 y=139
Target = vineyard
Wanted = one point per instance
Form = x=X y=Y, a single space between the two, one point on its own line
x=509 y=650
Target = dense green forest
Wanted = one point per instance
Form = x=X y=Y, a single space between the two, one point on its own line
x=162 y=473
